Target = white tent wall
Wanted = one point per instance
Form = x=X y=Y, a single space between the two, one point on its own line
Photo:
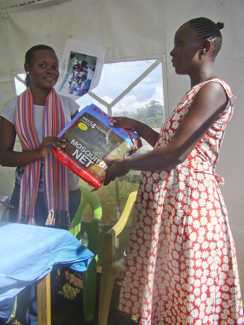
x=138 y=29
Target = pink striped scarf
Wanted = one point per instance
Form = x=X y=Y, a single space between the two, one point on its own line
x=56 y=179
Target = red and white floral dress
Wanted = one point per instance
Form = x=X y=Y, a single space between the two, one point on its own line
x=181 y=263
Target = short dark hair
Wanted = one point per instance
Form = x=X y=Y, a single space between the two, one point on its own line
x=208 y=29
x=30 y=53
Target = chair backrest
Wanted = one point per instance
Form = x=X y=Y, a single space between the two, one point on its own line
x=90 y=208
x=114 y=238
x=89 y=205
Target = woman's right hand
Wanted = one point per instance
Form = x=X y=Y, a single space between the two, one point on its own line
x=124 y=122
x=47 y=144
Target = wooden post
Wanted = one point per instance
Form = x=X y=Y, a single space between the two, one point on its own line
x=44 y=301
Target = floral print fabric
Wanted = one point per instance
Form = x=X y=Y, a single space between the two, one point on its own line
x=181 y=263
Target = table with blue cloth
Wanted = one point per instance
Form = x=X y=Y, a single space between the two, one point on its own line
x=28 y=253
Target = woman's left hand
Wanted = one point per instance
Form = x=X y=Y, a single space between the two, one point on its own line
x=116 y=168
x=44 y=148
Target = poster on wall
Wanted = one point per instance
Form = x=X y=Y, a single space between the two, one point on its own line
x=81 y=68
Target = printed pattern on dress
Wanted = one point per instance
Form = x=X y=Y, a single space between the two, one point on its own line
x=181 y=266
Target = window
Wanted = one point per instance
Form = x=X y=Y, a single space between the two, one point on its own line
x=19 y=83
x=133 y=89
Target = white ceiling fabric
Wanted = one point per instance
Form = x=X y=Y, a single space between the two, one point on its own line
x=24 y=4
x=124 y=33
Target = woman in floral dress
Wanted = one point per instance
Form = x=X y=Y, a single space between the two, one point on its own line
x=181 y=264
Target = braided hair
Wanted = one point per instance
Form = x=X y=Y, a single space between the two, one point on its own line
x=207 y=29
x=29 y=55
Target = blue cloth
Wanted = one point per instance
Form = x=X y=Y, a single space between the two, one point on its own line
x=6 y=308
x=28 y=253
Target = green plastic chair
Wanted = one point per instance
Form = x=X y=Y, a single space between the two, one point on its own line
x=90 y=204
x=113 y=245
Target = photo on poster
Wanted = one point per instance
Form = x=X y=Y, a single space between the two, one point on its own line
x=80 y=69
x=79 y=75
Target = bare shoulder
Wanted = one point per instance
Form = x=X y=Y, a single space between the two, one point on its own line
x=211 y=97
x=213 y=90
